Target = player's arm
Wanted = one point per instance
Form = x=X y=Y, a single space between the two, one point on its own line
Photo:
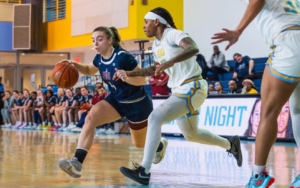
x=253 y=9
x=85 y=69
x=232 y=36
x=149 y=71
x=136 y=80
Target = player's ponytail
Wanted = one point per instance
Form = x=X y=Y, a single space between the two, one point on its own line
x=111 y=32
x=116 y=37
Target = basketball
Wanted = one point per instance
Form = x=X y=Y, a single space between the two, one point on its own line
x=65 y=75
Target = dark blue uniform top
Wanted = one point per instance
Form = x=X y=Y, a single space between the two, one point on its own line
x=21 y=102
x=73 y=98
x=87 y=98
x=62 y=99
x=52 y=99
x=122 y=60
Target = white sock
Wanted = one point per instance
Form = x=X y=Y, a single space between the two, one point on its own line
x=258 y=169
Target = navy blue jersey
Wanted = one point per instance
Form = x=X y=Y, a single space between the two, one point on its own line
x=52 y=100
x=72 y=99
x=16 y=101
x=80 y=98
x=87 y=98
x=21 y=102
x=62 y=99
x=121 y=60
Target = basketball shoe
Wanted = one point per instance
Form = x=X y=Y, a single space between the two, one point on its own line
x=137 y=174
x=159 y=156
x=235 y=149
x=72 y=167
x=262 y=180
x=296 y=182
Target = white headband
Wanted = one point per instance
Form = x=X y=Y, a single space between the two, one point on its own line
x=153 y=16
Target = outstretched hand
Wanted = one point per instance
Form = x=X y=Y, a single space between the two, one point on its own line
x=232 y=36
x=70 y=61
x=120 y=74
x=161 y=67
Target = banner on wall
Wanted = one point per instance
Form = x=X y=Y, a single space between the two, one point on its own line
x=233 y=116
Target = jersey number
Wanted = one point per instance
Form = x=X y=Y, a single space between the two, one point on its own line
x=292 y=6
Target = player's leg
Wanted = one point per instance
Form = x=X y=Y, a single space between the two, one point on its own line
x=58 y=116
x=173 y=108
x=280 y=78
x=138 y=123
x=295 y=114
x=101 y=113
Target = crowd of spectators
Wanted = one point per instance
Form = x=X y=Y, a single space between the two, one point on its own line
x=61 y=110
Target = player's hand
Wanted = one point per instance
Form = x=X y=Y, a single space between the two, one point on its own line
x=161 y=67
x=121 y=74
x=232 y=36
x=70 y=61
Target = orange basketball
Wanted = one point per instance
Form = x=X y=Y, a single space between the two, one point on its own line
x=65 y=75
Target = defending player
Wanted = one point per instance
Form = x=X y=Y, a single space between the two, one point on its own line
x=174 y=51
x=126 y=99
x=279 y=24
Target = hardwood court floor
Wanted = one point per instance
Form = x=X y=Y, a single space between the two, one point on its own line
x=29 y=159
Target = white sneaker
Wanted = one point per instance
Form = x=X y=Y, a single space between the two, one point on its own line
x=101 y=131
x=62 y=127
x=76 y=130
x=160 y=155
x=39 y=127
x=33 y=127
x=70 y=127
x=8 y=126
x=110 y=131
x=28 y=127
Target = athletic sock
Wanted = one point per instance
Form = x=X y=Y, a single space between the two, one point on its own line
x=80 y=154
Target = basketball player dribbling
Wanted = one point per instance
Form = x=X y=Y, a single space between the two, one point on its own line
x=174 y=50
x=125 y=99
x=279 y=25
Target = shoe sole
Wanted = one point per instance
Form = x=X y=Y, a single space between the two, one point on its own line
x=163 y=152
x=68 y=168
x=272 y=180
x=240 y=152
x=123 y=171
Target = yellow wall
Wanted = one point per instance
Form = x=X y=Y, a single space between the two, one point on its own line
x=59 y=32
x=175 y=7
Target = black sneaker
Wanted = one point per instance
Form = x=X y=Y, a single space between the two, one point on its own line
x=235 y=149
x=137 y=174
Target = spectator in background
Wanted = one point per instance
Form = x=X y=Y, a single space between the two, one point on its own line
x=217 y=64
x=219 y=88
x=1 y=86
x=159 y=84
x=211 y=87
x=102 y=92
x=249 y=87
x=244 y=69
x=98 y=84
x=8 y=100
x=233 y=89
x=202 y=63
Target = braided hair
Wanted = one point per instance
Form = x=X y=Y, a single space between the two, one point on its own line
x=165 y=14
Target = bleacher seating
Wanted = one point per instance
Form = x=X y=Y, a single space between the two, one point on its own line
x=259 y=65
